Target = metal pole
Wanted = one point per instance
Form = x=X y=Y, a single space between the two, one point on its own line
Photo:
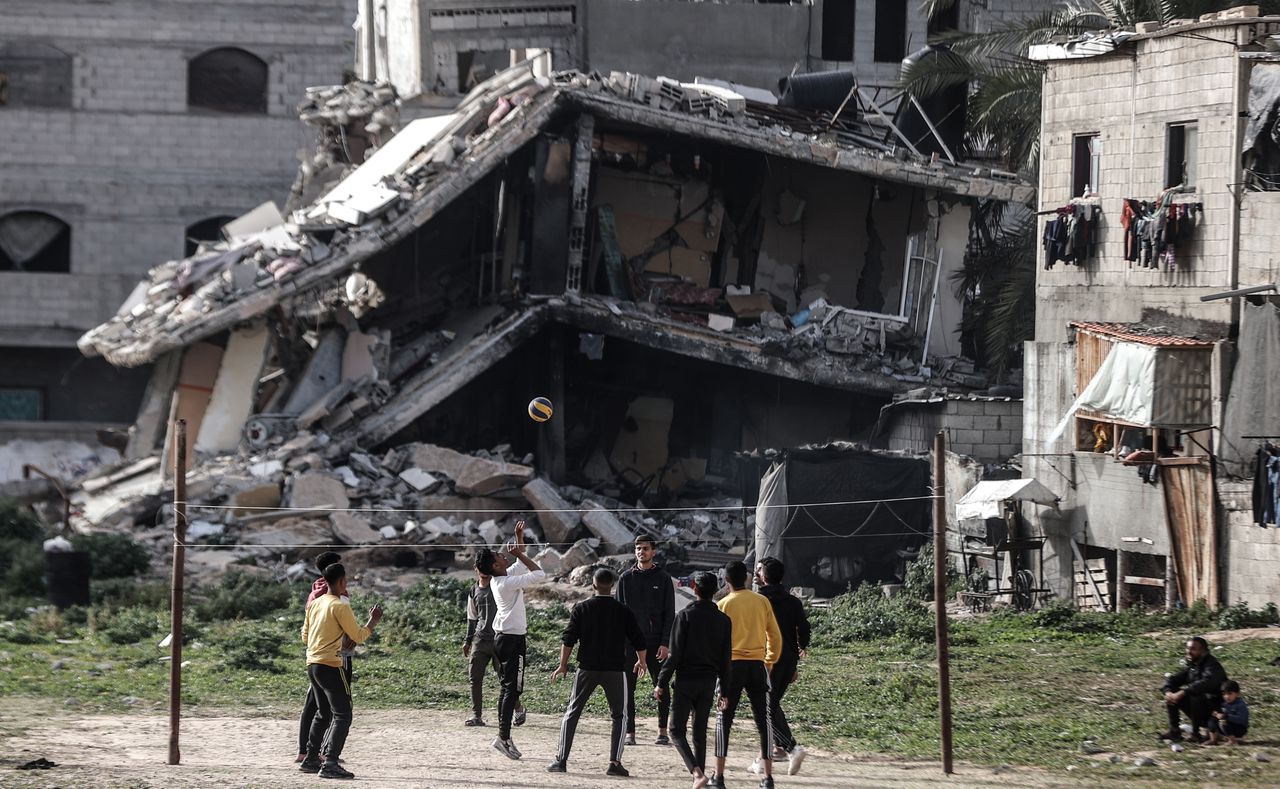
x=940 y=593
x=175 y=600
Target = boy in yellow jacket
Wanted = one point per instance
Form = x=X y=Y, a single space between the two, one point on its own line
x=328 y=619
x=757 y=645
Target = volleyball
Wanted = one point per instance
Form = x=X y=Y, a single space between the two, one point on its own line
x=540 y=409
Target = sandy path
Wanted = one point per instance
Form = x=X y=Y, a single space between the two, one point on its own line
x=411 y=748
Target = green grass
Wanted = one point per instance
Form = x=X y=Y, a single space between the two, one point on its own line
x=1027 y=690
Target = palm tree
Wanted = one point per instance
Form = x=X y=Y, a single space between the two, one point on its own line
x=1003 y=121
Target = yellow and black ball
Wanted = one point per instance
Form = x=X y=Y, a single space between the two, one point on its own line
x=540 y=409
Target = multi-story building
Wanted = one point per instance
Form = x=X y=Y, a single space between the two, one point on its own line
x=131 y=130
x=1157 y=189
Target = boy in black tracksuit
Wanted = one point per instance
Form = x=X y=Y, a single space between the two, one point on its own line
x=701 y=651
x=794 y=624
x=603 y=629
x=648 y=591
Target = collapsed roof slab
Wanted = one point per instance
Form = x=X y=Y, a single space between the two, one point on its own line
x=699 y=342
x=440 y=192
x=950 y=179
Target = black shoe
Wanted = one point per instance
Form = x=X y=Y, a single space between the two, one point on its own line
x=518 y=718
x=662 y=740
x=476 y=721
x=717 y=782
x=309 y=765
x=766 y=782
x=1173 y=735
x=617 y=770
x=558 y=766
x=335 y=770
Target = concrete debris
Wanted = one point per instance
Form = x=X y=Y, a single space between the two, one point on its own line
x=558 y=519
x=291 y=533
x=613 y=535
x=420 y=480
x=351 y=528
x=471 y=475
x=315 y=490
x=259 y=497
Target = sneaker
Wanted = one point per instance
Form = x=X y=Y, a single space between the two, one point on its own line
x=779 y=752
x=309 y=765
x=794 y=759
x=717 y=782
x=506 y=747
x=476 y=721
x=1170 y=736
x=756 y=768
x=766 y=782
x=662 y=740
x=336 y=771
x=617 y=770
x=519 y=718
x=558 y=766
x=631 y=739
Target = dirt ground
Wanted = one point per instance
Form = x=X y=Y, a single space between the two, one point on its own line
x=411 y=748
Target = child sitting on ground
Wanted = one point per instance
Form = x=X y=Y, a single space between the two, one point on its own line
x=1231 y=720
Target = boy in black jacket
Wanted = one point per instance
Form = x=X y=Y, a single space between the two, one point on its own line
x=602 y=628
x=648 y=591
x=794 y=624
x=701 y=651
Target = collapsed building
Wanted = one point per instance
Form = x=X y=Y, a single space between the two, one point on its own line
x=684 y=272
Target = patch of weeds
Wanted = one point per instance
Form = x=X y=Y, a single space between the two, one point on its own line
x=125 y=592
x=128 y=625
x=249 y=646
x=867 y=614
x=113 y=555
x=241 y=595
x=1240 y=616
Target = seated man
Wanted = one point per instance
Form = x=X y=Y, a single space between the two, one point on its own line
x=1195 y=690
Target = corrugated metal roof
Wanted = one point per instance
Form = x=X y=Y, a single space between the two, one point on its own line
x=1136 y=332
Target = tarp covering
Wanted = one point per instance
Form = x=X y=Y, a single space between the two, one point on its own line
x=771 y=512
x=834 y=548
x=984 y=500
x=1262 y=135
x=1253 y=409
x=1123 y=388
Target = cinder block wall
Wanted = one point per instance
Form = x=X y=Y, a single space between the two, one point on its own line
x=1250 y=553
x=987 y=431
x=128 y=166
x=1130 y=101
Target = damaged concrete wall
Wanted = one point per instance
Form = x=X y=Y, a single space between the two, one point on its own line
x=1048 y=390
x=234 y=391
x=828 y=235
x=1259 y=238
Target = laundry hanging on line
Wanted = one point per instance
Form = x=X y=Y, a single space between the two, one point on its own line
x=1156 y=234
x=1070 y=236
x=1266 y=484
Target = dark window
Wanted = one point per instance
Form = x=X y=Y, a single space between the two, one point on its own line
x=1180 y=166
x=205 y=230
x=21 y=404
x=475 y=66
x=837 y=29
x=34 y=241
x=1086 y=164
x=945 y=19
x=891 y=31
x=227 y=80
x=34 y=75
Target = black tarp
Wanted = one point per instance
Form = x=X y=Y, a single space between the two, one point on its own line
x=833 y=547
x=1262 y=134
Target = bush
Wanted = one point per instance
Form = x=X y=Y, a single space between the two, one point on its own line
x=242 y=595
x=125 y=592
x=251 y=646
x=128 y=625
x=432 y=610
x=22 y=567
x=866 y=614
x=1240 y=616
x=17 y=523
x=113 y=555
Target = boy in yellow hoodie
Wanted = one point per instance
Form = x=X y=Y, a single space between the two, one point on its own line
x=328 y=619
x=757 y=645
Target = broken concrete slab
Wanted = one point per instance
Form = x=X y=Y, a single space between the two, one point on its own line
x=471 y=475
x=615 y=537
x=149 y=427
x=322 y=373
x=265 y=468
x=232 y=399
x=579 y=554
x=557 y=518
x=351 y=528
x=253 y=500
x=420 y=480
x=550 y=560
x=489 y=532
x=291 y=533
x=317 y=491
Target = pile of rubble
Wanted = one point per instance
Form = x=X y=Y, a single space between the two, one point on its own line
x=298 y=496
